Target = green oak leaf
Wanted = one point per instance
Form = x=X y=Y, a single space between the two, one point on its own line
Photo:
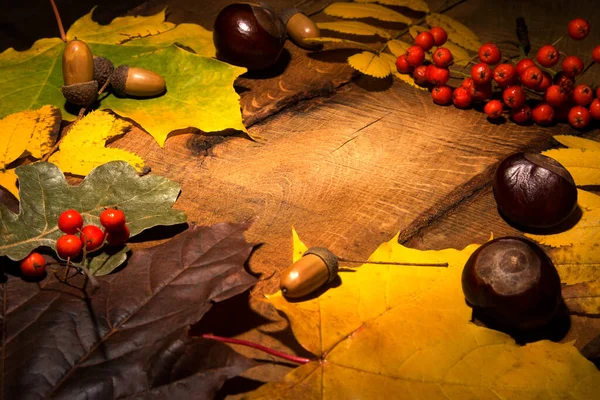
x=199 y=92
x=45 y=194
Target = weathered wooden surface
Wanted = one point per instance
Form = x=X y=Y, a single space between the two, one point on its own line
x=351 y=169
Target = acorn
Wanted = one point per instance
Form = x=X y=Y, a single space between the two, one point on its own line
x=79 y=88
x=249 y=35
x=136 y=82
x=317 y=267
x=300 y=27
x=103 y=69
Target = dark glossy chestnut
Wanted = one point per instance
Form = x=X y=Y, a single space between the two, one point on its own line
x=512 y=281
x=534 y=191
x=248 y=35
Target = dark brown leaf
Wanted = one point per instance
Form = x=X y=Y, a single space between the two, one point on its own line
x=129 y=339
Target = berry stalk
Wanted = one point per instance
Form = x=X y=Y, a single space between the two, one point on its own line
x=268 y=350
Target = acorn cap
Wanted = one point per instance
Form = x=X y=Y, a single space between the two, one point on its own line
x=330 y=260
x=285 y=15
x=103 y=69
x=81 y=94
x=118 y=80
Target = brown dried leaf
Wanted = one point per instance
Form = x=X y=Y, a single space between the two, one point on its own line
x=128 y=339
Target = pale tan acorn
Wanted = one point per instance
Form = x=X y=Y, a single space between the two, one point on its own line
x=136 y=82
x=103 y=69
x=299 y=28
x=317 y=267
x=79 y=88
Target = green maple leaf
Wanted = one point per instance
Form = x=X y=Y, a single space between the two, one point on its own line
x=199 y=93
x=45 y=194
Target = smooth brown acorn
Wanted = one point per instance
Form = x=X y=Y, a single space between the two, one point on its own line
x=512 y=283
x=317 y=267
x=534 y=190
x=249 y=35
x=300 y=27
x=103 y=69
x=136 y=82
x=79 y=88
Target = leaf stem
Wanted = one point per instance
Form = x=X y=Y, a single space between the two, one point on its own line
x=442 y=9
x=63 y=35
x=445 y=265
x=285 y=356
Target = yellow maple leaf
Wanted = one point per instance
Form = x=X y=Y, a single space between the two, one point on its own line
x=150 y=30
x=354 y=28
x=31 y=132
x=417 y=5
x=575 y=142
x=82 y=149
x=8 y=180
x=407 y=78
x=356 y=10
x=583 y=164
x=369 y=64
x=406 y=331
x=457 y=32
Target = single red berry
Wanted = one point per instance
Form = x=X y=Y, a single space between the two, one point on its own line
x=505 y=75
x=442 y=57
x=415 y=56
x=579 y=117
x=546 y=82
x=595 y=109
x=92 y=237
x=564 y=81
x=493 y=109
x=583 y=95
x=34 y=265
x=439 y=35
x=547 y=56
x=543 y=114
x=70 y=221
x=68 y=246
x=112 y=219
x=402 y=65
x=578 y=28
x=116 y=238
x=596 y=54
x=420 y=75
x=532 y=77
x=461 y=97
x=479 y=92
x=437 y=76
x=481 y=73
x=514 y=96
x=572 y=66
x=521 y=114
x=489 y=53
x=425 y=40
x=442 y=95
x=523 y=65
x=556 y=96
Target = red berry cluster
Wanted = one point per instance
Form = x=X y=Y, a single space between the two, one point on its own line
x=90 y=238
x=563 y=100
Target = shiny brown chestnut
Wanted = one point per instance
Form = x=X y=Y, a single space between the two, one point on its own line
x=249 y=35
x=534 y=191
x=513 y=282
